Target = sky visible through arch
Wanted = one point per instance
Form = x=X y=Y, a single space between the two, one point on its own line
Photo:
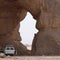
x=27 y=29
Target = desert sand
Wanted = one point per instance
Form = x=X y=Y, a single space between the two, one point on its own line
x=32 y=58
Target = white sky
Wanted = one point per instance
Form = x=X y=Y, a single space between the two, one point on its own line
x=27 y=29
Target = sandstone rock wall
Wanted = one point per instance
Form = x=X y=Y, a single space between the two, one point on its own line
x=47 y=40
x=47 y=14
x=10 y=17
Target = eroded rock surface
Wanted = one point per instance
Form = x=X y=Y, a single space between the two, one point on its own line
x=47 y=40
x=10 y=17
x=47 y=14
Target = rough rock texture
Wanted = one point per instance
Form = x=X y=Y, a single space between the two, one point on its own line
x=47 y=14
x=10 y=16
x=47 y=40
x=14 y=39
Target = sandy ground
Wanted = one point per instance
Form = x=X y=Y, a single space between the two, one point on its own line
x=32 y=58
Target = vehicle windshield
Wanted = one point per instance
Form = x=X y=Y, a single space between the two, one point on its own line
x=9 y=48
x=12 y=49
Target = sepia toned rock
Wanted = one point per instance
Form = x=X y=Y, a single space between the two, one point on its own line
x=10 y=16
x=47 y=40
x=47 y=15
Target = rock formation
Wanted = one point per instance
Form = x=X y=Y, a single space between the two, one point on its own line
x=47 y=40
x=10 y=16
x=47 y=14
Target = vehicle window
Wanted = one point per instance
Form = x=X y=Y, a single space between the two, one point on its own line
x=12 y=49
x=7 y=48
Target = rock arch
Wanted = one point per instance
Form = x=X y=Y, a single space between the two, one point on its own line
x=47 y=14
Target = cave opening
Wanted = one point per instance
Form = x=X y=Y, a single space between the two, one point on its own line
x=27 y=30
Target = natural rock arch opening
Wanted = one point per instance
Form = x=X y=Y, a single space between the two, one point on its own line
x=28 y=30
x=47 y=13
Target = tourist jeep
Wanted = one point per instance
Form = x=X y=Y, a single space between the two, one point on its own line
x=9 y=50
